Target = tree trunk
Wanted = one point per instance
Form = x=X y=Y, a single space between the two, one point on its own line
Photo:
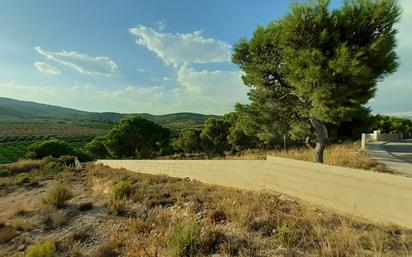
x=322 y=138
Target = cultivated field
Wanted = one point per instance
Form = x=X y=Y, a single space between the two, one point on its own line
x=19 y=127
x=17 y=134
x=117 y=213
x=15 y=148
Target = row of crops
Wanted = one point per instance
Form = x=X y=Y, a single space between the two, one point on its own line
x=13 y=148
x=33 y=127
x=13 y=139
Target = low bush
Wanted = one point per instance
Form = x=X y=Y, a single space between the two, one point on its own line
x=45 y=249
x=108 y=249
x=159 y=198
x=79 y=236
x=52 y=147
x=216 y=216
x=117 y=206
x=52 y=218
x=236 y=246
x=211 y=241
x=67 y=160
x=263 y=225
x=58 y=196
x=138 y=225
x=23 y=166
x=122 y=190
x=18 y=224
x=284 y=235
x=183 y=239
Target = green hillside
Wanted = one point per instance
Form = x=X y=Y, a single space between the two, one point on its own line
x=11 y=108
x=23 y=123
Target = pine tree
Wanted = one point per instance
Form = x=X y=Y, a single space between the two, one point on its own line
x=317 y=66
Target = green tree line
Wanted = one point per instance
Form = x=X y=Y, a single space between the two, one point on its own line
x=310 y=75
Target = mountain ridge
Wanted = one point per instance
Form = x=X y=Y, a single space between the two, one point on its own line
x=29 y=109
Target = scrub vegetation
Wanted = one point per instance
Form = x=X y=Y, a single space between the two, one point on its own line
x=133 y=214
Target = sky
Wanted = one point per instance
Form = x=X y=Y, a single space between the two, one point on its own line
x=153 y=56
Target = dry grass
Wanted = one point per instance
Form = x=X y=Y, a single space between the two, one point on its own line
x=30 y=173
x=164 y=216
x=107 y=249
x=52 y=218
x=58 y=195
x=343 y=155
x=7 y=233
x=24 y=165
x=19 y=224
x=241 y=223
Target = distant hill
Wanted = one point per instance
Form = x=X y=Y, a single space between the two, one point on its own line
x=23 y=109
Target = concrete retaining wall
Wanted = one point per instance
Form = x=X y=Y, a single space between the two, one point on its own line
x=381 y=197
x=378 y=136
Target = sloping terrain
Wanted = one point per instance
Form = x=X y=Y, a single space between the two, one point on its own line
x=23 y=109
x=119 y=213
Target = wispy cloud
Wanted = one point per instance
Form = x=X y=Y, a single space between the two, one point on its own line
x=89 y=97
x=223 y=88
x=47 y=68
x=177 y=49
x=99 y=65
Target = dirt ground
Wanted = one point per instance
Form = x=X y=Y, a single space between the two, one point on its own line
x=163 y=216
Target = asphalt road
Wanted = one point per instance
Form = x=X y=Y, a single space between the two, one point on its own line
x=397 y=155
x=401 y=149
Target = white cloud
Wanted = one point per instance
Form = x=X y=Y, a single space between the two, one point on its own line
x=100 y=65
x=47 y=68
x=203 y=91
x=149 y=95
x=394 y=93
x=220 y=88
x=88 y=97
x=177 y=49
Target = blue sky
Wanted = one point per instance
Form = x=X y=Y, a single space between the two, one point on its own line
x=155 y=56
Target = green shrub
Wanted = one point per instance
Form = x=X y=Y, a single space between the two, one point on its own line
x=83 y=156
x=183 y=239
x=53 y=147
x=67 y=160
x=45 y=249
x=58 y=196
x=284 y=235
x=122 y=189
x=96 y=148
